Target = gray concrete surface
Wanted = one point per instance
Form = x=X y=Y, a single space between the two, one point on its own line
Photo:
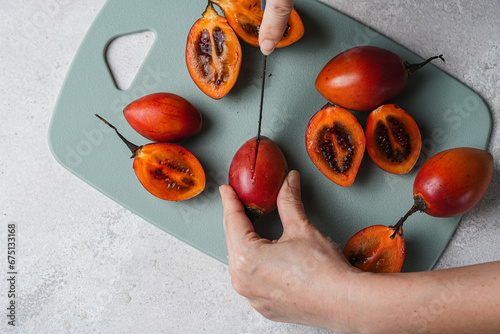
x=86 y=265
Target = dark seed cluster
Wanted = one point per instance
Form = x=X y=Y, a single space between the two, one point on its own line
x=329 y=155
x=204 y=43
x=383 y=140
x=357 y=258
x=159 y=174
x=254 y=30
x=219 y=38
x=250 y=28
x=205 y=56
x=340 y=135
x=286 y=30
x=221 y=77
x=175 y=165
x=398 y=131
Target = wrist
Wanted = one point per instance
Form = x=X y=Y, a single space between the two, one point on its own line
x=377 y=302
x=347 y=287
x=361 y=291
x=358 y=302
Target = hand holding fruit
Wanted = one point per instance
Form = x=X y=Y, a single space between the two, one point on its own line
x=303 y=278
x=277 y=277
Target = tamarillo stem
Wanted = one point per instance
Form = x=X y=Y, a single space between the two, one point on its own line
x=132 y=147
x=412 y=68
x=419 y=205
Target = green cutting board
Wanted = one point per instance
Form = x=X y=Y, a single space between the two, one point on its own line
x=448 y=113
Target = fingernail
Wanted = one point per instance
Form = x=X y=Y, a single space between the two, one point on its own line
x=293 y=179
x=267 y=47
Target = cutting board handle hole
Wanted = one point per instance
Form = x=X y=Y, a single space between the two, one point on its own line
x=125 y=55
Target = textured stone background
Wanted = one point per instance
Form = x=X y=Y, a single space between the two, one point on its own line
x=88 y=265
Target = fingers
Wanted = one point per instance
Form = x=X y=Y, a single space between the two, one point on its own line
x=236 y=224
x=290 y=206
x=273 y=25
x=239 y=229
x=241 y=239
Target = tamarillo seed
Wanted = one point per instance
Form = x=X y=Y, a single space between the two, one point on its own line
x=337 y=134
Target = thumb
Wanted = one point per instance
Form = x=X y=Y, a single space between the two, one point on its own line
x=237 y=226
x=290 y=207
x=273 y=25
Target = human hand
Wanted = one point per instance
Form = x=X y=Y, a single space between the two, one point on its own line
x=273 y=25
x=289 y=279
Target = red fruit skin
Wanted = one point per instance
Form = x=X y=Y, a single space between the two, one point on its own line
x=453 y=181
x=362 y=78
x=163 y=117
x=258 y=188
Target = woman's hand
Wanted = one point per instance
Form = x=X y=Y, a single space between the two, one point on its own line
x=273 y=25
x=304 y=278
x=289 y=279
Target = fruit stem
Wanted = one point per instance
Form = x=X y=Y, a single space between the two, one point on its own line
x=419 y=205
x=253 y=213
x=412 y=68
x=132 y=147
x=399 y=225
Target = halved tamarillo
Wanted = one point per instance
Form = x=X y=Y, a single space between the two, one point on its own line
x=335 y=142
x=166 y=170
x=377 y=248
x=245 y=17
x=393 y=139
x=213 y=54
x=365 y=77
x=163 y=117
x=257 y=181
